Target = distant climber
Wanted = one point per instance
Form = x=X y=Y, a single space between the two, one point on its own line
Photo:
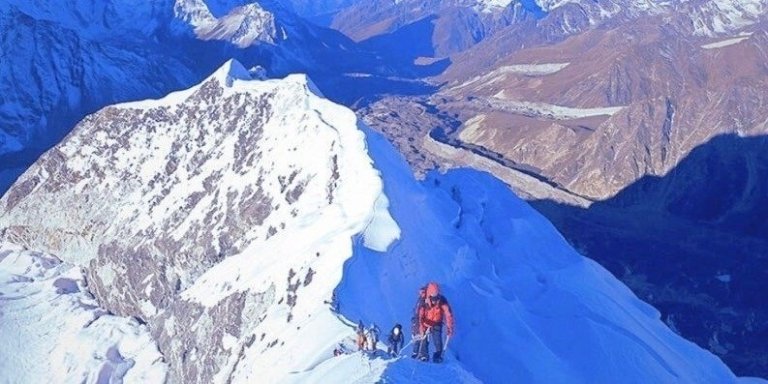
x=395 y=340
x=360 y=336
x=432 y=316
x=416 y=335
x=372 y=337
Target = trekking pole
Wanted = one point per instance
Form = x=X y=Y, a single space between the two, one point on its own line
x=424 y=337
x=400 y=352
x=445 y=345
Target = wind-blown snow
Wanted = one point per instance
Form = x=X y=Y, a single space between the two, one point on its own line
x=53 y=330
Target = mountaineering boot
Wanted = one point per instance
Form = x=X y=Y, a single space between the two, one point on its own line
x=423 y=358
x=437 y=357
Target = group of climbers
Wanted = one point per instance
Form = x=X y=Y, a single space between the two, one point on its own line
x=367 y=338
x=430 y=314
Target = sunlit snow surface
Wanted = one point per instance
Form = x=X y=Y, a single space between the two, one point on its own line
x=54 y=332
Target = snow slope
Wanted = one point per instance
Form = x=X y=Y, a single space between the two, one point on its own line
x=53 y=330
x=528 y=307
x=238 y=286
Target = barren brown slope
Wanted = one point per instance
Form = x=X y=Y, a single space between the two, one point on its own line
x=659 y=96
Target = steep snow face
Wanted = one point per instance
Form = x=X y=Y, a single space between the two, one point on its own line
x=221 y=215
x=54 y=331
x=528 y=308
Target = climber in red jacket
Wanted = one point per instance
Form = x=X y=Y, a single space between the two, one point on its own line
x=432 y=316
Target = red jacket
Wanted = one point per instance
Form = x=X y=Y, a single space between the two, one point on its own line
x=436 y=311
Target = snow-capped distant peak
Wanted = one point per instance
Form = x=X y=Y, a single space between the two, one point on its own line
x=241 y=24
x=549 y=5
x=193 y=12
x=715 y=18
x=490 y=6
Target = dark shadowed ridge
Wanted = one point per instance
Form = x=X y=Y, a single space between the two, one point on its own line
x=694 y=243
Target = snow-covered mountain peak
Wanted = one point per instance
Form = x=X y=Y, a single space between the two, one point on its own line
x=195 y=202
x=491 y=6
x=232 y=70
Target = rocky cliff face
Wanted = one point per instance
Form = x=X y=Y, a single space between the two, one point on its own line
x=149 y=196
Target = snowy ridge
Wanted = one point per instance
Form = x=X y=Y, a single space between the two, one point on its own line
x=512 y=281
x=701 y=17
x=49 y=321
x=221 y=178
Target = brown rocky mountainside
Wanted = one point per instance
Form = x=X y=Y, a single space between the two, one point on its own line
x=601 y=109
